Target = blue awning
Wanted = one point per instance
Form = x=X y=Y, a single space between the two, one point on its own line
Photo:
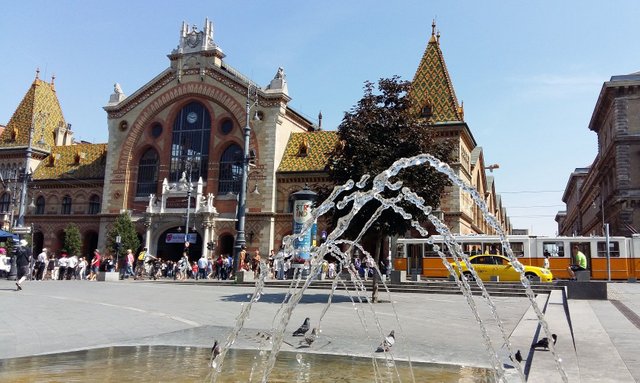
x=6 y=234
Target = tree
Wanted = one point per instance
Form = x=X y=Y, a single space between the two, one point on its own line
x=376 y=132
x=72 y=240
x=123 y=227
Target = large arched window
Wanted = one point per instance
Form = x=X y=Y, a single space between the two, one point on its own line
x=230 y=170
x=40 y=203
x=94 y=204
x=66 y=205
x=147 y=174
x=190 y=142
x=5 y=202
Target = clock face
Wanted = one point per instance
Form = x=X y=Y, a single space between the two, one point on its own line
x=192 y=117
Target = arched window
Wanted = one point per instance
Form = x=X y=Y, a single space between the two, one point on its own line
x=40 y=205
x=147 y=174
x=94 y=204
x=5 y=202
x=190 y=142
x=66 y=205
x=230 y=170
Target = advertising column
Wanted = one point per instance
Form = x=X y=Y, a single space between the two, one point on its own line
x=303 y=201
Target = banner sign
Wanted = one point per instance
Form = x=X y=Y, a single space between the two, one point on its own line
x=180 y=238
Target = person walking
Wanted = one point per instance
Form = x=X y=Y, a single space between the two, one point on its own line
x=202 y=268
x=95 y=265
x=62 y=265
x=23 y=260
x=41 y=264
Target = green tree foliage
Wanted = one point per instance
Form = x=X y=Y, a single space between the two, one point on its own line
x=127 y=232
x=376 y=132
x=72 y=240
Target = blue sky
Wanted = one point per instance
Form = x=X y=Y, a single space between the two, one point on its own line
x=529 y=73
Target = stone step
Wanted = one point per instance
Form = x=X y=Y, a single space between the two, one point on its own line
x=541 y=365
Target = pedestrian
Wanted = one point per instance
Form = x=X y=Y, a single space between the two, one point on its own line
x=545 y=263
x=72 y=264
x=581 y=262
x=41 y=264
x=62 y=265
x=95 y=265
x=202 y=268
x=5 y=267
x=23 y=260
x=255 y=264
x=81 y=270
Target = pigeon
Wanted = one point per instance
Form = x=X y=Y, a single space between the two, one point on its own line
x=302 y=329
x=518 y=356
x=387 y=342
x=309 y=339
x=215 y=350
x=544 y=342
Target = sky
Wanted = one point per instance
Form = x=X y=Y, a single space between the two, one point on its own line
x=529 y=73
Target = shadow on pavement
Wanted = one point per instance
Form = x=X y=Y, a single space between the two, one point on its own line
x=279 y=297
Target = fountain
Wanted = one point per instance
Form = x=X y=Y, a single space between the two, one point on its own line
x=270 y=347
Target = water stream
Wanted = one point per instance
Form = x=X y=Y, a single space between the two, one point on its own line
x=384 y=369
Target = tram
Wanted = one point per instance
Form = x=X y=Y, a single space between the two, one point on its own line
x=620 y=261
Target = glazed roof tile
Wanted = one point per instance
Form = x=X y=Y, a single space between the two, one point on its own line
x=432 y=86
x=40 y=107
x=80 y=161
x=318 y=144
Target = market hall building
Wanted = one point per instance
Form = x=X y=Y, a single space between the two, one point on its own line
x=185 y=128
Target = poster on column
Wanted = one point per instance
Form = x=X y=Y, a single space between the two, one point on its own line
x=302 y=214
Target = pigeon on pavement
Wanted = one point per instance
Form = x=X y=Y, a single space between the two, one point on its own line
x=387 y=342
x=309 y=339
x=302 y=329
x=215 y=350
x=544 y=342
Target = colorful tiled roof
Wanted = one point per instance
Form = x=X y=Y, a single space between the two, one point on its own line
x=40 y=107
x=308 y=152
x=431 y=86
x=81 y=161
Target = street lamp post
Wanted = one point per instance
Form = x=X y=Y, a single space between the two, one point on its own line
x=242 y=197
x=22 y=207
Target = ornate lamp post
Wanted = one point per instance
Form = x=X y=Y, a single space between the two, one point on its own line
x=22 y=207
x=242 y=197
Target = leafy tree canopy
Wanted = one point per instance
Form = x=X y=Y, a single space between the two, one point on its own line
x=72 y=240
x=127 y=232
x=376 y=132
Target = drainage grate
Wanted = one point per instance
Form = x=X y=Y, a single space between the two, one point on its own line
x=627 y=312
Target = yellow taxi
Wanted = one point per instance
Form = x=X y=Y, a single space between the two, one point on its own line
x=491 y=265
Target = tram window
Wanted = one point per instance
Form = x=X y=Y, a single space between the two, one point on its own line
x=493 y=248
x=430 y=252
x=614 y=249
x=517 y=248
x=400 y=251
x=472 y=248
x=556 y=249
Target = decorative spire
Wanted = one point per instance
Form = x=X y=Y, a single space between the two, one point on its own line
x=432 y=93
x=38 y=73
x=53 y=80
x=320 y=120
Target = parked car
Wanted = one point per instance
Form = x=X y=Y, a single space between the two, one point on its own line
x=487 y=266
